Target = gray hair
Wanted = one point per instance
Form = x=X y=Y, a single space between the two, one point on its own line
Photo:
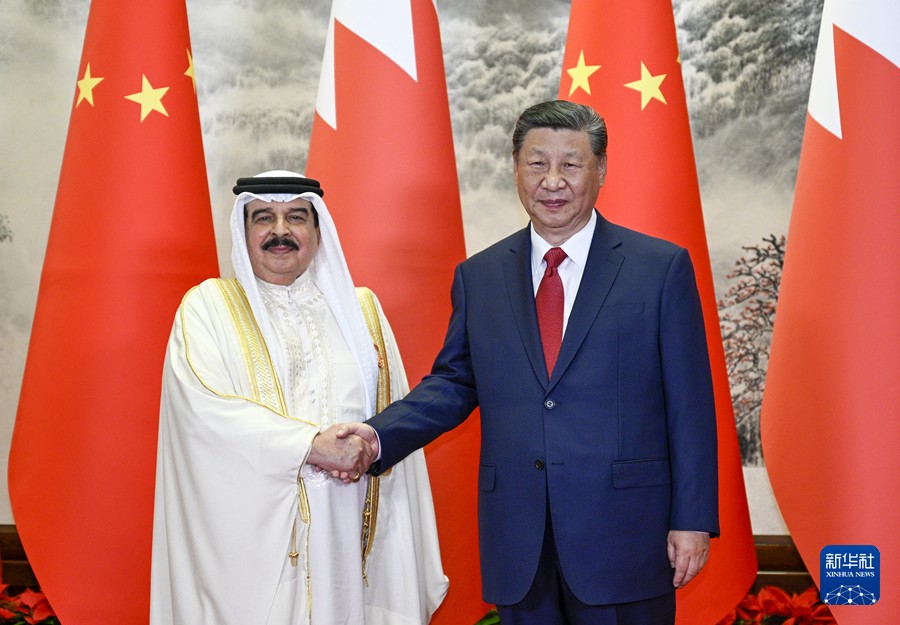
x=564 y=115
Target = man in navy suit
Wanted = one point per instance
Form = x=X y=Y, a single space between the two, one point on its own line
x=597 y=487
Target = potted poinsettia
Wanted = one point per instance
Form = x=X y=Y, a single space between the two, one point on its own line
x=25 y=608
x=774 y=606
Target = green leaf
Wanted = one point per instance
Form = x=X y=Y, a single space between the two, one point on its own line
x=491 y=618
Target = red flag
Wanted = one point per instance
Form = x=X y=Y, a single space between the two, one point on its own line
x=829 y=415
x=131 y=232
x=622 y=59
x=382 y=146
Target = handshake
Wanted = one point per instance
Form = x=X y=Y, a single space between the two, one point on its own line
x=345 y=450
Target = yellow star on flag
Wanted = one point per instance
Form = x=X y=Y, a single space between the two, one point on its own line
x=149 y=98
x=648 y=85
x=190 y=70
x=86 y=86
x=580 y=75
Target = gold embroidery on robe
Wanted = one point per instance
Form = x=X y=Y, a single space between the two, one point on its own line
x=267 y=391
x=383 y=398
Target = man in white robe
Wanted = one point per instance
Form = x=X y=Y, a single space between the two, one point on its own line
x=249 y=526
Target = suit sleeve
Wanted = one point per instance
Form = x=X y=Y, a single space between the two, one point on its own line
x=440 y=402
x=690 y=405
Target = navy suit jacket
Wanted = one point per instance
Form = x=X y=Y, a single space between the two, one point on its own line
x=620 y=440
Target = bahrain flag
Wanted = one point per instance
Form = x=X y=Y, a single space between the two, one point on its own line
x=383 y=149
x=622 y=59
x=830 y=424
x=131 y=232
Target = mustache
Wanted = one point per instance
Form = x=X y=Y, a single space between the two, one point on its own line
x=281 y=242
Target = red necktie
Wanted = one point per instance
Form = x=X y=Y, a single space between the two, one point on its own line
x=549 y=302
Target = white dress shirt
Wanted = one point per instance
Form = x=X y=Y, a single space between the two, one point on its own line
x=571 y=269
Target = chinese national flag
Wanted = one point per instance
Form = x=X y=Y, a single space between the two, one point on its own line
x=131 y=232
x=382 y=147
x=830 y=426
x=622 y=59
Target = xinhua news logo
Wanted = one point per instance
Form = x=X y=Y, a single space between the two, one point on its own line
x=850 y=575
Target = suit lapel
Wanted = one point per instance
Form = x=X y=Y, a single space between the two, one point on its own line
x=519 y=285
x=603 y=264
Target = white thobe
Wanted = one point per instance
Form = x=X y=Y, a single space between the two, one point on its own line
x=227 y=495
x=323 y=386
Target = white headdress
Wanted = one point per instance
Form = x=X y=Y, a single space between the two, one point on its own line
x=330 y=273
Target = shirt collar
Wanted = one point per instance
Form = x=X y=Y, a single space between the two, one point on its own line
x=576 y=247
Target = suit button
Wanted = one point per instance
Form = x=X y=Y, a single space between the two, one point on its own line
x=549 y=404
x=539 y=465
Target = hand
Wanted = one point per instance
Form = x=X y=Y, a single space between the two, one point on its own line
x=345 y=458
x=688 y=552
x=366 y=432
x=361 y=430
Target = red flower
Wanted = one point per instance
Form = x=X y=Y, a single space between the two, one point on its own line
x=28 y=605
x=4 y=613
x=775 y=601
x=37 y=602
x=802 y=609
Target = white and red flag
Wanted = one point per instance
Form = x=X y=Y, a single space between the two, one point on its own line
x=830 y=426
x=622 y=59
x=382 y=148
x=131 y=232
